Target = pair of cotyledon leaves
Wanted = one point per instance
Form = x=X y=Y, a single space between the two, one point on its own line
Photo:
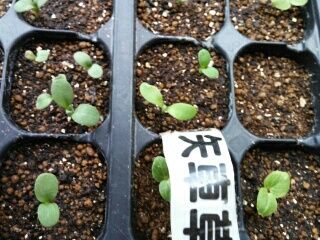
x=180 y=111
x=276 y=185
x=41 y=56
x=204 y=59
x=84 y=60
x=62 y=94
x=160 y=173
x=46 y=190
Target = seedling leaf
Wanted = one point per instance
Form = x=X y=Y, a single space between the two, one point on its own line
x=29 y=55
x=40 y=3
x=95 y=71
x=83 y=59
x=48 y=214
x=266 y=203
x=24 y=6
x=152 y=94
x=46 y=187
x=86 y=115
x=160 y=169
x=62 y=92
x=278 y=183
x=281 y=4
x=298 y=2
x=210 y=72
x=182 y=111
x=42 y=55
x=204 y=58
x=181 y=1
x=43 y=101
x=164 y=189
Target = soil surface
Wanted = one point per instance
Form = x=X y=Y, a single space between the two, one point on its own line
x=82 y=178
x=174 y=69
x=84 y=16
x=273 y=96
x=31 y=79
x=196 y=18
x=299 y=212
x=260 y=21
x=4 y=6
x=151 y=214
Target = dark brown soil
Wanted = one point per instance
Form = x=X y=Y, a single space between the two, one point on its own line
x=84 y=16
x=4 y=6
x=198 y=18
x=273 y=96
x=174 y=69
x=261 y=21
x=31 y=79
x=151 y=214
x=299 y=212
x=82 y=178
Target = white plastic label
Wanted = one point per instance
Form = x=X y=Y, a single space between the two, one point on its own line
x=203 y=199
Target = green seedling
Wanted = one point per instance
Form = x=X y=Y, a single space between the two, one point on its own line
x=46 y=190
x=276 y=185
x=205 y=64
x=181 y=1
x=180 y=111
x=62 y=94
x=41 y=56
x=29 y=5
x=160 y=173
x=287 y=4
x=84 y=60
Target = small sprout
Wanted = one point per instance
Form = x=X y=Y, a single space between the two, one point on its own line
x=46 y=190
x=276 y=185
x=84 y=60
x=181 y=1
x=205 y=67
x=287 y=4
x=160 y=173
x=62 y=94
x=180 y=111
x=41 y=56
x=29 y=5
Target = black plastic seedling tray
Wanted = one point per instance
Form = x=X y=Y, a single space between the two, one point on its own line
x=121 y=137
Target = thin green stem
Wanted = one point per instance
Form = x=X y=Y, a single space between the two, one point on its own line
x=70 y=110
x=164 y=108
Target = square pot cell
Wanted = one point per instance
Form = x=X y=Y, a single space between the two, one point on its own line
x=258 y=20
x=274 y=95
x=83 y=16
x=4 y=6
x=30 y=79
x=298 y=212
x=82 y=176
x=151 y=213
x=174 y=69
x=198 y=19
